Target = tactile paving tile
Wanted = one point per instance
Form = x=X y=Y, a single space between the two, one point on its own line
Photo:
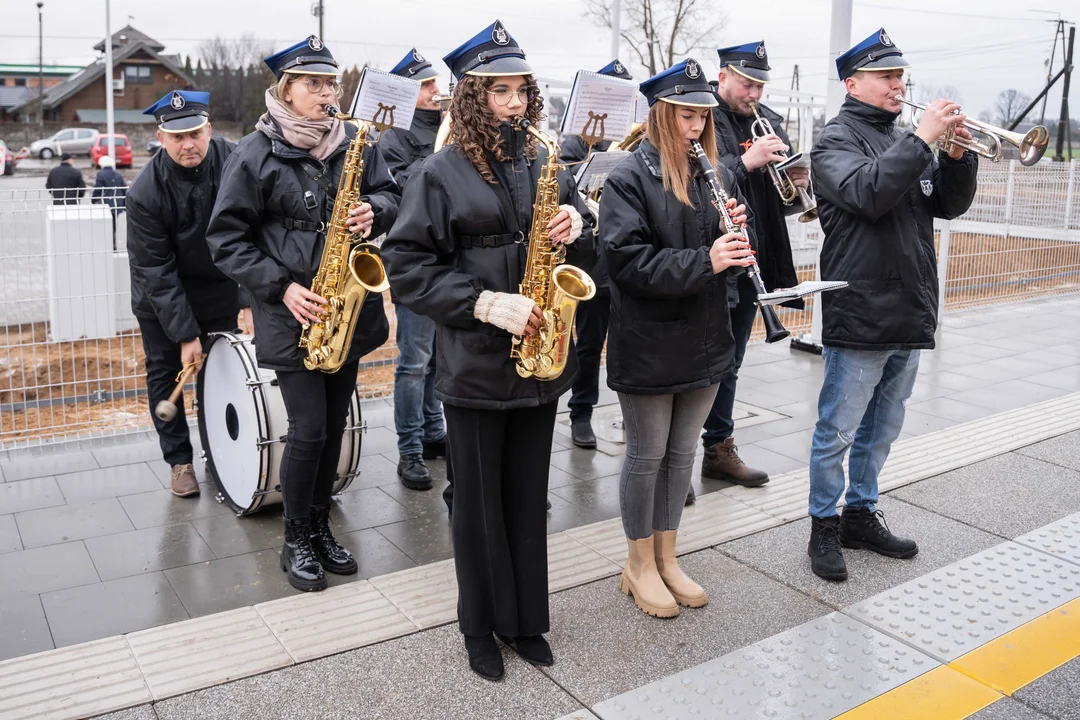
x=1060 y=539
x=73 y=682
x=570 y=563
x=717 y=518
x=314 y=625
x=811 y=672
x=959 y=607
x=427 y=594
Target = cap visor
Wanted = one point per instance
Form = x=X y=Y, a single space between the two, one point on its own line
x=184 y=124
x=892 y=62
x=692 y=99
x=314 y=69
x=509 y=65
x=426 y=74
x=761 y=76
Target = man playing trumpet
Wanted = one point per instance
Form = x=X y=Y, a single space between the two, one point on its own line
x=878 y=189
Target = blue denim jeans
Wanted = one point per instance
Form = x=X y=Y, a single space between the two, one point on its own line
x=861 y=408
x=418 y=414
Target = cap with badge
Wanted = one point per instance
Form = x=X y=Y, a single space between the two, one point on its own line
x=307 y=57
x=181 y=111
x=490 y=52
x=682 y=84
x=749 y=60
x=876 y=52
x=415 y=67
x=616 y=69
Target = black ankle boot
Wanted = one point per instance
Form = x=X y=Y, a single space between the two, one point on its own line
x=532 y=649
x=582 y=435
x=332 y=556
x=298 y=559
x=484 y=657
x=826 y=557
x=864 y=529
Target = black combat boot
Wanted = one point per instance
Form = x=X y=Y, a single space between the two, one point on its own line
x=332 y=556
x=413 y=472
x=298 y=559
x=864 y=529
x=582 y=435
x=826 y=556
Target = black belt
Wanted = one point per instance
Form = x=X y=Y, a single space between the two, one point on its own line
x=305 y=225
x=490 y=241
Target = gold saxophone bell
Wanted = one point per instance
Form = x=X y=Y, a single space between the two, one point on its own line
x=1032 y=144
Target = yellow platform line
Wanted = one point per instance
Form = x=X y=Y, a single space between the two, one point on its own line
x=941 y=694
x=1027 y=653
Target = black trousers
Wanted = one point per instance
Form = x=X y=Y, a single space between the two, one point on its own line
x=500 y=460
x=592 y=326
x=162 y=366
x=318 y=406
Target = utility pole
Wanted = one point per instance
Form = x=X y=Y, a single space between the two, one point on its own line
x=40 y=68
x=839 y=41
x=317 y=11
x=1064 y=123
x=1059 y=31
x=110 y=126
x=616 y=29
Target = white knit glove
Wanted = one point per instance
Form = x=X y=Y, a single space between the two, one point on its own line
x=575 y=222
x=504 y=310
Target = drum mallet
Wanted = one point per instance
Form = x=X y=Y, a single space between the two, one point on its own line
x=166 y=409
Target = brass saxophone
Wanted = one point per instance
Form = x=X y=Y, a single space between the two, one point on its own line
x=348 y=270
x=555 y=287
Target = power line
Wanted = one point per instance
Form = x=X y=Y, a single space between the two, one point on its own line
x=948 y=12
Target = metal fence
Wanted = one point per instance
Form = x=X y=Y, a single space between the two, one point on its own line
x=71 y=357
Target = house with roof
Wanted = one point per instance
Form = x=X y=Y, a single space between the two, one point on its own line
x=142 y=73
x=19 y=82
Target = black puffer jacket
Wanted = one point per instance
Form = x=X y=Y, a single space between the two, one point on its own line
x=404 y=149
x=265 y=188
x=173 y=277
x=670 y=328
x=878 y=190
x=439 y=264
x=573 y=149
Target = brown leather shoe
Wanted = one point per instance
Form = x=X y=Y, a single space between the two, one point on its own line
x=184 y=482
x=722 y=462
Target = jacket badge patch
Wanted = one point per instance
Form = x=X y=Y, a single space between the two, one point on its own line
x=927 y=187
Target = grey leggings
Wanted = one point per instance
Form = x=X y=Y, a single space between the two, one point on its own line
x=661 y=439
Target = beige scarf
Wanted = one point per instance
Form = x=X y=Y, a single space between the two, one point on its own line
x=318 y=137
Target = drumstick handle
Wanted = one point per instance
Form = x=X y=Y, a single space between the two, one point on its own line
x=182 y=379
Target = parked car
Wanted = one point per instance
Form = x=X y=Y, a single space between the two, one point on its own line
x=8 y=160
x=76 y=141
x=153 y=146
x=101 y=149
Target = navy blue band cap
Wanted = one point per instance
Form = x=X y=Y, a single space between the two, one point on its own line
x=415 y=67
x=307 y=57
x=681 y=84
x=749 y=60
x=181 y=111
x=615 y=69
x=491 y=52
x=876 y=52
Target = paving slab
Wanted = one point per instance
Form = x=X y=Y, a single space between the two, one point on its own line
x=418 y=677
x=31 y=494
x=9 y=535
x=605 y=646
x=1063 y=450
x=366 y=508
x=91 y=612
x=423 y=539
x=1056 y=694
x=1008 y=709
x=374 y=554
x=586 y=464
x=107 y=482
x=55 y=525
x=46 y=568
x=599 y=496
x=780 y=553
x=229 y=583
x=421 y=502
x=24 y=629
x=47 y=462
x=143 y=712
x=149 y=550
x=161 y=507
x=229 y=535
x=128 y=453
x=1007 y=495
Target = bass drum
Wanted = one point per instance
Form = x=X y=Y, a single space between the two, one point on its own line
x=242 y=423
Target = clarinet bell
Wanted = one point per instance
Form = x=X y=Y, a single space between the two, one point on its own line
x=774 y=329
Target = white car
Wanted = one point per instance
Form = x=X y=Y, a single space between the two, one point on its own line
x=76 y=141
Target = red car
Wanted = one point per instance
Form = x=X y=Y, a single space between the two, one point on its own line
x=101 y=149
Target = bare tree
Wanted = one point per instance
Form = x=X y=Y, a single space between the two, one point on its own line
x=659 y=31
x=233 y=72
x=930 y=93
x=1008 y=105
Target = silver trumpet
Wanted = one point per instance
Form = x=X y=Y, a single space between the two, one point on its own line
x=1032 y=144
x=789 y=191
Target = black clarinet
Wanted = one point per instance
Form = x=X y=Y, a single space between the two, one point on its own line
x=774 y=329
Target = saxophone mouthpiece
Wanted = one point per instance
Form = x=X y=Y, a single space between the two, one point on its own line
x=521 y=123
x=331 y=110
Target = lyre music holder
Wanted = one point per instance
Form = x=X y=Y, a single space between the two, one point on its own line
x=384 y=113
x=594 y=129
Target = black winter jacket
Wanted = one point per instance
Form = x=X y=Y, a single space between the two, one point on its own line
x=265 y=188
x=773 y=244
x=670 y=329
x=572 y=149
x=66 y=184
x=404 y=149
x=878 y=190
x=173 y=277
x=438 y=267
x=110 y=189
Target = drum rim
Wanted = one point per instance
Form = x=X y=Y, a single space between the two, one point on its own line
x=259 y=400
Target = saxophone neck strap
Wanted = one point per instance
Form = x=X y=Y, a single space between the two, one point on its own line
x=319 y=176
x=304 y=225
x=490 y=241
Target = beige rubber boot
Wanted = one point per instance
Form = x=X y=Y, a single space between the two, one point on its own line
x=683 y=589
x=641 y=580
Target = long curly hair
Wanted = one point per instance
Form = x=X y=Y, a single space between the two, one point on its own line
x=476 y=128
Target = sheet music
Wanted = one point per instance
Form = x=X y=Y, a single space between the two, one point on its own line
x=593 y=173
x=600 y=95
x=384 y=97
x=810 y=287
x=641 y=111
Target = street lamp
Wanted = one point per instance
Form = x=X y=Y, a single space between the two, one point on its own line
x=40 y=70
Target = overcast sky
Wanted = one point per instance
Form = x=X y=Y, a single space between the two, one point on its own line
x=978 y=47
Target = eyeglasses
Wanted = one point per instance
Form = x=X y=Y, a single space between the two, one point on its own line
x=525 y=95
x=316 y=84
